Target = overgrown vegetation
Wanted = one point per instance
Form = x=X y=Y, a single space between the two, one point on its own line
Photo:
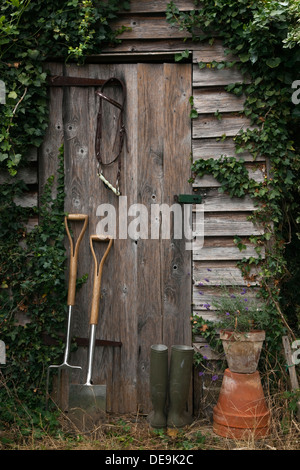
x=33 y=299
x=264 y=35
x=264 y=38
x=132 y=433
x=31 y=32
x=32 y=263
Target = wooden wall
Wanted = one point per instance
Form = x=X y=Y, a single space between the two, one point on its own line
x=151 y=39
x=146 y=283
x=225 y=217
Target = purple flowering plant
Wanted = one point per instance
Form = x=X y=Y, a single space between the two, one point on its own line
x=239 y=310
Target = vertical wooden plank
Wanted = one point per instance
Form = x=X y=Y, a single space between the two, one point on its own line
x=98 y=195
x=150 y=190
x=75 y=111
x=290 y=364
x=76 y=142
x=164 y=266
x=176 y=260
x=48 y=152
x=125 y=302
x=176 y=263
x=113 y=366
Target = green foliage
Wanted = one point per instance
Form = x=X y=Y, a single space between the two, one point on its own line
x=293 y=35
x=264 y=37
x=25 y=109
x=32 y=297
x=239 y=311
x=32 y=263
x=31 y=32
x=293 y=398
x=207 y=329
x=229 y=171
x=193 y=113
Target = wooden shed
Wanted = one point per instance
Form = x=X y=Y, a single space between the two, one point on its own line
x=150 y=284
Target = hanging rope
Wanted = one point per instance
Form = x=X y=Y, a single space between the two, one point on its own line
x=121 y=131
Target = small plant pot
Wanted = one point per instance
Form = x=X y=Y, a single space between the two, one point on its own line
x=242 y=350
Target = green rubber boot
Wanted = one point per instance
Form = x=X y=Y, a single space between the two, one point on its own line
x=179 y=385
x=158 y=385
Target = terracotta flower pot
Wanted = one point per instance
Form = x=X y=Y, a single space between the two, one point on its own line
x=241 y=411
x=242 y=350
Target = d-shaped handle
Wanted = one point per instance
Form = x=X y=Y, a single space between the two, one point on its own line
x=74 y=253
x=98 y=275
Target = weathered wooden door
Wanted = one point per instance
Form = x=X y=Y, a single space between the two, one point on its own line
x=146 y=282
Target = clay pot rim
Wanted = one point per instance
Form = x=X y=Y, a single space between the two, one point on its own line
x=232 y=335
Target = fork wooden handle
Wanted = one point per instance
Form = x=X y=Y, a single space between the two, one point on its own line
x=74 y=253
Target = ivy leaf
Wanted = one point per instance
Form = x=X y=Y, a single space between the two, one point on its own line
x=254 y=57
x=186 y=54
x=273 y=62
x=258 y=80
x=289 y=177
x=3 y=156
x=182 y=55
x=12 y=95
x=33 y=53
x=244 y=57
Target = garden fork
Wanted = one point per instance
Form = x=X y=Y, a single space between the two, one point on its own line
x=71 y=300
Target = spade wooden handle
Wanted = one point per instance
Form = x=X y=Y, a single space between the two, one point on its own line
x=74 y=253
x=97 y=275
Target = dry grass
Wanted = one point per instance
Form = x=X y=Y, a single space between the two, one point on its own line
x=132 y=432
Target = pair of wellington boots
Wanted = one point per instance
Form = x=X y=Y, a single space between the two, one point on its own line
x=172 y=388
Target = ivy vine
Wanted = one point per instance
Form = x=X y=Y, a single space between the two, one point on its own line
x=264 y=38
x=31 y=32
x=32 y=262
x=264 y=35
x=33 y=295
